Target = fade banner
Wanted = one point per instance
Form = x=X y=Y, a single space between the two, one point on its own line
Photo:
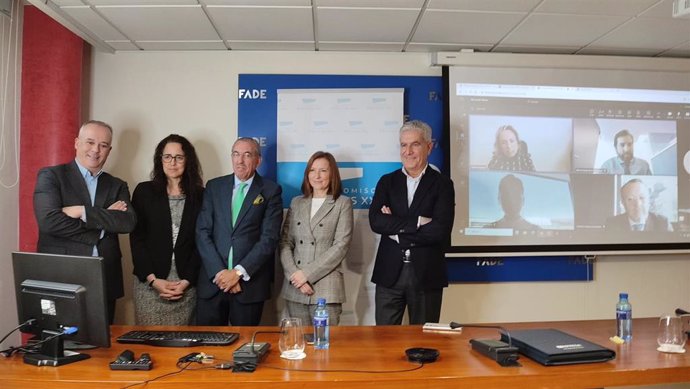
x=358 y=126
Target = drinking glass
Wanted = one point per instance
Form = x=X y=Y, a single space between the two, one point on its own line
x=671 y=337
x=291 y=338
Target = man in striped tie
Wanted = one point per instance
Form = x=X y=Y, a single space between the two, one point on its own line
x=237 y=234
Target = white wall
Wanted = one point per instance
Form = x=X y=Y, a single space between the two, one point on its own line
x=147 y=95
x=10 y=68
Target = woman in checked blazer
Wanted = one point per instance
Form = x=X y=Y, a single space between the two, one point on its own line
x=315 y=239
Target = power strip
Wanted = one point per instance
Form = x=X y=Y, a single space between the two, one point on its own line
x=139 y=364
x=440 y=327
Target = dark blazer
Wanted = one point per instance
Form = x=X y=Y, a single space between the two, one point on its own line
x=254 y=239
x=151 y=240
x=63 y=185
x=434 y=198
x=656 y=223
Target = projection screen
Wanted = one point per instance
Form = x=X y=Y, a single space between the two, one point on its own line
x=558 y=160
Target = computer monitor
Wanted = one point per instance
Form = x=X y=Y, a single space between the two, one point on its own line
x=58 y=294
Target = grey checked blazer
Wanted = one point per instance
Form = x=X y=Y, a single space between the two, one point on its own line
x=317 y=247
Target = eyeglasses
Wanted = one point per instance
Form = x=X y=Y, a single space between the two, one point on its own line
x=168 y=158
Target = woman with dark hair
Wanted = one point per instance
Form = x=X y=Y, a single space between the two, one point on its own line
x=166 y=261
x=510 y=153
x=314 y=242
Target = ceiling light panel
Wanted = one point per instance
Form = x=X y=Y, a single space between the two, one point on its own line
x=596 y=7
x=94 y=23
x=562 y=30
x=485 y=5
x=141 y=2
x=465 y=27
x=158 y=23
x=417 y=4
x=263 y=23
x=365 y=24
x=649 y=33
x=249 y=3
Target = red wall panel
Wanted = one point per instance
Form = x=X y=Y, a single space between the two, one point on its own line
x=50 y=107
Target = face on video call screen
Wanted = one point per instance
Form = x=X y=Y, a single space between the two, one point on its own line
x=569 y=158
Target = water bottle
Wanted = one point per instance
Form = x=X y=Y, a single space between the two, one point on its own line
x=321 y=325
x=624 y=318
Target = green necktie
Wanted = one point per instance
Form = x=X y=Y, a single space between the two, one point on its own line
x=237 y=202
x=236 y=206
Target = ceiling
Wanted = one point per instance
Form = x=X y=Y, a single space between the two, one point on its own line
x=608 y=27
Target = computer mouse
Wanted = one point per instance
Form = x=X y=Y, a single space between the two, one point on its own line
x=191 y=357
x=125 y=356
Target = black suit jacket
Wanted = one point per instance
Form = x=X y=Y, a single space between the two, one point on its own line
x=151 y=240
x=656 y=223
x=254 y=239
x=434 y=198
x=63 y=185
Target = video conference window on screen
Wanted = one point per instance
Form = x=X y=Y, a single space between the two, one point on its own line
x=538 y=164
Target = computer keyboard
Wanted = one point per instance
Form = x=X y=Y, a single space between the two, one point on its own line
x=179 y=338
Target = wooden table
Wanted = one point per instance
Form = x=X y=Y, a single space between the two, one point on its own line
x=380 y=352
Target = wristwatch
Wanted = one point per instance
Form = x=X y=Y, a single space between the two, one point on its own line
x=151 y=282
x=239 y=273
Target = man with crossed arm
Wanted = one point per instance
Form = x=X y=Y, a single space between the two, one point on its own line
x=413 y=210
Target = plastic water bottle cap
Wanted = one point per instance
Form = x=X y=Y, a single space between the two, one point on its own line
x=321 y=300
x=623 y=296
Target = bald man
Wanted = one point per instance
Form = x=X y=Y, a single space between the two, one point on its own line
x=635 y=199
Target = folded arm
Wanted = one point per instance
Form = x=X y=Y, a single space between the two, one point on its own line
x=119 y=216
x=392 y=223
x=439 y=228
x=48 y=208
x=413 y=230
